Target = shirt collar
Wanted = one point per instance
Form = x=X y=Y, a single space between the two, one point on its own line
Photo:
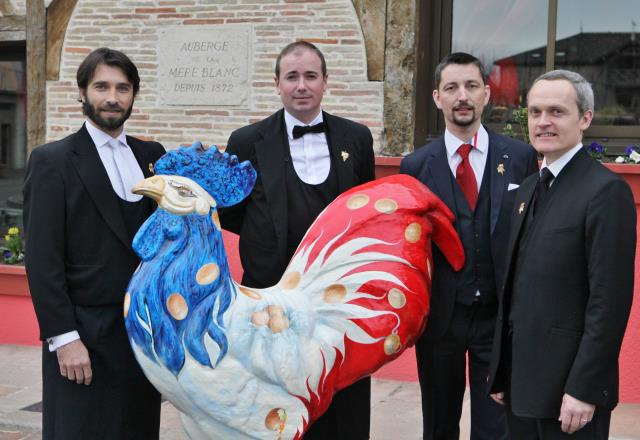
x=452 y=143
x=291 y=122
x=100 y=138
x=560 y=162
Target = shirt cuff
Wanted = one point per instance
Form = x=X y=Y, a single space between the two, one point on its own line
x=56 y=342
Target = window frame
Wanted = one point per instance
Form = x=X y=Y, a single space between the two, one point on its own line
x=435 y=42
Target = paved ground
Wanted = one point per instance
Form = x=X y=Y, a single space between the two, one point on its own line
x=395 y=411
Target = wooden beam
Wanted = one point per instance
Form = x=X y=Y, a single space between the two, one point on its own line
x=371 y=14
x=12 y=28
x=36 y=69
x=58 y=14
x=6 y=8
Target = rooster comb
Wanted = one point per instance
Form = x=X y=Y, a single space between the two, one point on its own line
x=220 y=174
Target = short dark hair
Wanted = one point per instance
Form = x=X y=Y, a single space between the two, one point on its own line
x=458 y=58
x=301 y=45
x=110 y=57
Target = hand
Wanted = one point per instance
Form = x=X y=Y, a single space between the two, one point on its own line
x=498 y=397
x=574 y=414
x=74 y=362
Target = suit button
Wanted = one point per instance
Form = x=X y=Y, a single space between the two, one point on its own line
x=605 y=393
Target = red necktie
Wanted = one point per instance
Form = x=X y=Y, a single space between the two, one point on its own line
x=466 y=177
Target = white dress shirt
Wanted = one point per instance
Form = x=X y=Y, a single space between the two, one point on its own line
x=477 y=156
x=560 y=162
x=309 y=153
x=119 y=161
x=124 y=172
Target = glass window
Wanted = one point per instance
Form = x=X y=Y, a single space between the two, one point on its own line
x=600 y=40
x=12 y=143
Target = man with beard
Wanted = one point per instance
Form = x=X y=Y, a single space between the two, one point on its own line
x=475 y=172
x=80 y=218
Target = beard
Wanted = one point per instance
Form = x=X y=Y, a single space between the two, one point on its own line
x=93 y=112
x=466 y=120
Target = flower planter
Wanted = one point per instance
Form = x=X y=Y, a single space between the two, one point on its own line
x=631 y=174
x=13 y=280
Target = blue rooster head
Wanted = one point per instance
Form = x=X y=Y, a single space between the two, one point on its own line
x=194 y=180
x=183 y=256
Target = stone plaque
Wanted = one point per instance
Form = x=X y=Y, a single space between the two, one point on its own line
x=204 y=65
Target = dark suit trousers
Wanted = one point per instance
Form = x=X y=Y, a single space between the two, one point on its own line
x=348 y=415
x=119 y=404
x=442 y=373
x=525 y=428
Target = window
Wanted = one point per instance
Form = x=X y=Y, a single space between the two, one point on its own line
x=13 y=138
x=517 y=40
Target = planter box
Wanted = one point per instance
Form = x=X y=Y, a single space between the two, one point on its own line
x=13 y=280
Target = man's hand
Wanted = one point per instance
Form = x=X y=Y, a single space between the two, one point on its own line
x=74 y=362
x=498 y=397
x=574 y=414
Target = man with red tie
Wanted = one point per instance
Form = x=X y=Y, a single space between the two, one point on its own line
x=475 y=172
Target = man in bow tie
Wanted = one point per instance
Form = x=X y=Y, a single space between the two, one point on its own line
x=474 y=171
x=305 y=158
x=569 y=286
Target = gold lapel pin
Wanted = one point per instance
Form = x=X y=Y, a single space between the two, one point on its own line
x=521 y=208
x=151 y=168
x=344 y=155
x=500 y=168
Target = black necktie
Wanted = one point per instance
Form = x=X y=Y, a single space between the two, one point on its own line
x=542 y=188
x=299 y=131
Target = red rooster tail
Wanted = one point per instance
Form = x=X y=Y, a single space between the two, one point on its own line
x=444 y=234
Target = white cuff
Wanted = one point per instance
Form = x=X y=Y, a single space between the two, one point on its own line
x=56 y=342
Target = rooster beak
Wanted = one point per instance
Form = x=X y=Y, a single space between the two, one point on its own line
x=151 y=187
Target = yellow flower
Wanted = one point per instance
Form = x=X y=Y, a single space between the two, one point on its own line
x=14 y=230
x=7 y=237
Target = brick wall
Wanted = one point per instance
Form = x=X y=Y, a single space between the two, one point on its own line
x=132 y=26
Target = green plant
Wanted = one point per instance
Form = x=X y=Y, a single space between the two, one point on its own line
x=520 y=114
x=13 y=249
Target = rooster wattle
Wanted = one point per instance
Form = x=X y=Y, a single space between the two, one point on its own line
x=244 y=363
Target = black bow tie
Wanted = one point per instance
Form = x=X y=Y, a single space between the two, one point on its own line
x=299 y=131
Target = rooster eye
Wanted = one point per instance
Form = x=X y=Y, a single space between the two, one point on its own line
x=183 y=190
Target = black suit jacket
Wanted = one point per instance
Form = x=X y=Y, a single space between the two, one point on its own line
x=429 y=164
x=261 y=219
x=577 y=284
x=78 y=252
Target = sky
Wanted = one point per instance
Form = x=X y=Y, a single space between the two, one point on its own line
x=493 y=29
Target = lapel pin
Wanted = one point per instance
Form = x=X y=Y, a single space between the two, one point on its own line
x=506 y=156
x=151 y=167
x=344 y=155
x=521 y=208
x=500 y=168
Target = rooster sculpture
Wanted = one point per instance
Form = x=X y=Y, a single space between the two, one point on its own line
x=243 y=363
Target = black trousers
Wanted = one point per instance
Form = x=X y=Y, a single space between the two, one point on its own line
x=525 y=428
x=442 y=366
x=119 y=404
x=348 y=415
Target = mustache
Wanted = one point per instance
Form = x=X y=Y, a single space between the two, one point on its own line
x=112 y=108
x=463 y=107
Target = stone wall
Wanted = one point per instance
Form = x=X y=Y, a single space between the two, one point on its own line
x=133 y=27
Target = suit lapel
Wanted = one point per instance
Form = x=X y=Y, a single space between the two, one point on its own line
x=141 y=155
x=341 y=152
x=440 y=174
x=270 y=155
x=499 y=167
x=87 y=162
x=522 y=206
